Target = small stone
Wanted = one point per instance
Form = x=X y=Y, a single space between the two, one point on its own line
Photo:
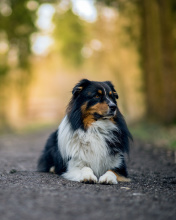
x=13 y=171
x=127 y=188
x=137 y=194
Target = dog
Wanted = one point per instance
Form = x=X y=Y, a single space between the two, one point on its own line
x=90 y=144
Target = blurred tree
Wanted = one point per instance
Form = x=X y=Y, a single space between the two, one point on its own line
x=17 y=23
x=69 y=35
x=158 y=55
x=158 y=59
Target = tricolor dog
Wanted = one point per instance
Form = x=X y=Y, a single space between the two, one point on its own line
x=90 y=143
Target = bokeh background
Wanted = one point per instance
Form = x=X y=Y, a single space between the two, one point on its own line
x=47 y=46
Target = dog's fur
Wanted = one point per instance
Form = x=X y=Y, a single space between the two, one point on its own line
x=90 y=143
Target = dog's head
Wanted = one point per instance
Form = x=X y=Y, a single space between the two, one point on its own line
x=93 y=101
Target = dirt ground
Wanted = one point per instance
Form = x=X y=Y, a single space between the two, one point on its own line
x=29 y=195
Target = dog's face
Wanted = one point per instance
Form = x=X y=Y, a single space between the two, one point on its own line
x=94 y=101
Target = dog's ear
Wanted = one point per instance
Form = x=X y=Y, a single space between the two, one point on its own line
x=112 y=88
x=80 y=86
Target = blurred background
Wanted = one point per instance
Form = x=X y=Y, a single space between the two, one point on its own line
x=47 y=46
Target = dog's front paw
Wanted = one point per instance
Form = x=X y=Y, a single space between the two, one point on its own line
x=87 y=176
x=108 y=178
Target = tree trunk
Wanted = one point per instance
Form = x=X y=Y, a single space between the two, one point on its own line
x=158 y=60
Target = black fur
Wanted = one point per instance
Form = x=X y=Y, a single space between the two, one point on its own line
x=80 y=96
x=51 y=156
x=122 y=170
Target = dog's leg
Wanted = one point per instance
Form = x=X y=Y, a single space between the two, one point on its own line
x=119 y=177
x=78 y=172
x=87 y=175
x=115 y=175
x=111 y=177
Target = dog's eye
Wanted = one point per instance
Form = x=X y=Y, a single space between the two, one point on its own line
x=97 y=96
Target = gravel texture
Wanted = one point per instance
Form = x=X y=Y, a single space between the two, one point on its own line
x=29 y=195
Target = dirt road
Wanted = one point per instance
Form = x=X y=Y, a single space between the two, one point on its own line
x=28 y=195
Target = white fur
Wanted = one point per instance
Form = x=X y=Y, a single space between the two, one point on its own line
x=77 y=173
x=87 y=149
x=88 y=175
x=52 y=170
x=108 y=178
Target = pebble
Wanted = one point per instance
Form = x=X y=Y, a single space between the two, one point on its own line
x=137 y=194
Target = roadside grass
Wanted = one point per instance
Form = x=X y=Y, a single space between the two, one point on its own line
x=36 y=127
x=156 y=134
x=151 y=133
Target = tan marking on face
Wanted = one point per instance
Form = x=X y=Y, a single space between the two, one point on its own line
x=100 y=108
x=110 y=93
x=89 y=93
x=87 y=118
x=80 y=88
x=88 y=114
x=100 y=91
x=120 y=178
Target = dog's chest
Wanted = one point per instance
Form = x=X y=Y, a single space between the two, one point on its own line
x=89 y=147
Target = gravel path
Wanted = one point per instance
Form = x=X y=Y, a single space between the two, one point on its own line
x=28 y=195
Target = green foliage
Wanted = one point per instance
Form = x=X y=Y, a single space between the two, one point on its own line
x=130 y=11
x=69 y=35
x=155 y=134
x=18 y=24
x=3 y=71
x=109 y=2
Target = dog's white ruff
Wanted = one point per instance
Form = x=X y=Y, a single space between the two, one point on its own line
x=87 y=149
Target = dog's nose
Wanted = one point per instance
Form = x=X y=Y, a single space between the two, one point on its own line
x=112 y=106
